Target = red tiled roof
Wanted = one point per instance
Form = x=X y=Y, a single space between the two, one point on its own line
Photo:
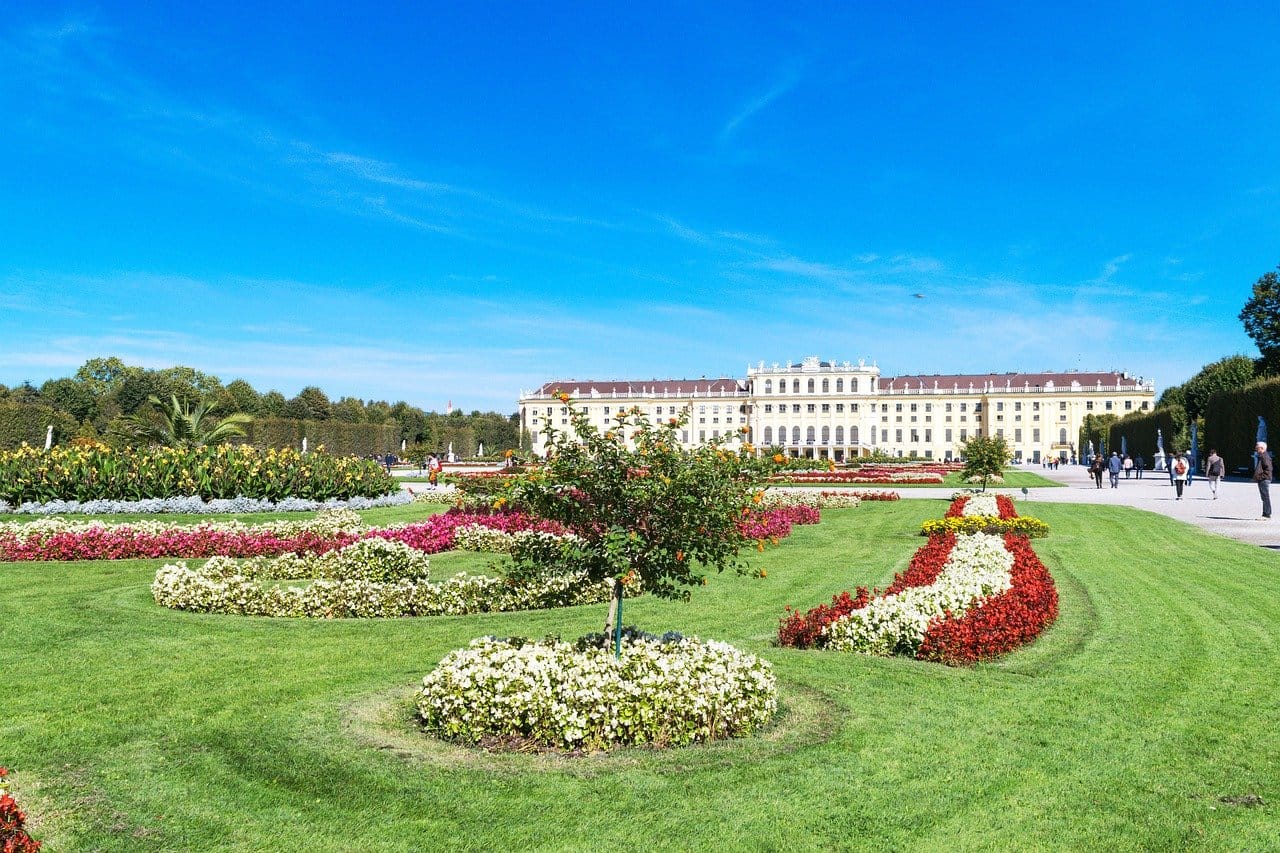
x=1000 y=380
x=584 y=387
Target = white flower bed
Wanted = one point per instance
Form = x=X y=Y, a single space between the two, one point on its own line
x=967 y=493
x=195 y=505
x=477 y=537
x=369 y=578
x=995 y=479
x=550 y=692
x=774 y=499
x=978 y=567
x=983 y=504
x=327 y=522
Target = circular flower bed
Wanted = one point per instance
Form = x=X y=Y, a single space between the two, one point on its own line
x=664 y=691
x=368 y=578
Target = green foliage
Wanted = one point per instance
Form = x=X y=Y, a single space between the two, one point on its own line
x=646 y=507
x=1231 y=422
x=1261 y=318
x=96 y=471
x=29 y=423
x=311 y=404
x=337 y=437
x=1096 y=428
x=180 y=425
x=1139 y=431
x=1229 y=374
x=984 y=457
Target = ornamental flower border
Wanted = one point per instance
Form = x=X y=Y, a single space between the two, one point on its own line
x=14 y=837
x=931 y=610
x=663 y=691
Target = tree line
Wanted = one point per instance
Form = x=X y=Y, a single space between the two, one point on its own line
x=1225 y=397
x=105 y=398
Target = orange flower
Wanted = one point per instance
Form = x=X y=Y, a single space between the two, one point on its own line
x=672 y=421
x=745 y=430
x=777 y=457
x=757 y=497
x=679 y=556
x=759 y=544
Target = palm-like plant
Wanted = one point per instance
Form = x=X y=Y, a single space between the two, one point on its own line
x=179 y=425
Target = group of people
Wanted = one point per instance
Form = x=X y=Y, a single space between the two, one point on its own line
x=1182 y=471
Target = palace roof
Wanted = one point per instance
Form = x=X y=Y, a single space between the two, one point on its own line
x=996 y=381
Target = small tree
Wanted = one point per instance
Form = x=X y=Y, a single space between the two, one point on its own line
x=985 y=457
x=179 y=425
x=648 y=509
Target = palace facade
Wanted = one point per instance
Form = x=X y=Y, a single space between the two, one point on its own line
x=842 y=410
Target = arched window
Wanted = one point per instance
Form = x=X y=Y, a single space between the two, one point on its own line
x=853 y=385
x=768 y=386
x=1062 y=436
x=826 y=435
x=839 y=435
x=839 y=386
x=795 y=431
x=768 y=435
x=782 y=386
x=810 y=386
x=808 y=435
x=795 y=386
x=826 y=385
x=853 y=435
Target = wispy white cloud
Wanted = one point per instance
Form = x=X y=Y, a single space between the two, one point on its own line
x=758 y=103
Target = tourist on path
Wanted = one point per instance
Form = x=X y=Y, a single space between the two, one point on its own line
x=1262 y=472
x=1096 y=467
x=1113 y=468
x=1214 y=468
x=1128 y=466
x=1139 y=464
x=1178 y=470
x=1169 y=460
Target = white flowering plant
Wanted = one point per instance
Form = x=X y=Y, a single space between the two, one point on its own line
x=667 y=690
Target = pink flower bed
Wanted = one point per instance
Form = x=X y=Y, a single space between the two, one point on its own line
x=774 y=524
x=123 y=542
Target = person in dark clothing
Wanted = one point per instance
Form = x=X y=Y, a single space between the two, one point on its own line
x=1138 y=465
x=1096 y=467
x=1262 y=473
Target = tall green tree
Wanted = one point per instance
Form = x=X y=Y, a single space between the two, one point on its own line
x=311 y=404
x=1229 y=374
x=1261 y=318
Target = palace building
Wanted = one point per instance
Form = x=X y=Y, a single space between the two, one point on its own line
x=843 y=410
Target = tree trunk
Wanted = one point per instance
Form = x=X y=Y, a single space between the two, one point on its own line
x=615 y=601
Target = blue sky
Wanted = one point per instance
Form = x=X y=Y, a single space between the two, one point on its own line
x=458 y=201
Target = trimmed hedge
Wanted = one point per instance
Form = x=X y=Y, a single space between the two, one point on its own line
x=339 y=438
x=27 y=423
x=1231 y=422
x=1139 y=430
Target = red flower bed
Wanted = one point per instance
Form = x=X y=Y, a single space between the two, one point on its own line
x=433 y=535
x=1002 y=622
x=873 y=476
x=13 y=835
x=804 y=630
x=956 y=510
x=989 y=629
x=876 y=496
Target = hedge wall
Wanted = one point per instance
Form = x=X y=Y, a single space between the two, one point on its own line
x=1139 y=432
x=339 y=438
x=1231 y=421
x=29 y=422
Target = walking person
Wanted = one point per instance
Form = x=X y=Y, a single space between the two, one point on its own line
x=1139 y=464
x=1169 y=461
x=1128 y=465
x=1179 y=470
x=1262 y=473
x=1214 y=468
x=1113 y=468
x=433 y=470
x=1096 y=467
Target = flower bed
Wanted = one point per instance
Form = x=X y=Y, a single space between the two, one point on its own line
x=964 y=598
x=97 y=472
x=194 y=505
x=13 y=834
x=984 y=513
x=662 y=691
x=774 y=524
x=818 y=500
x=57 y=539
x=871 y=477
x=369 y=578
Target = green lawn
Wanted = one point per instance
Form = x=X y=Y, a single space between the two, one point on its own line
x=131 y=727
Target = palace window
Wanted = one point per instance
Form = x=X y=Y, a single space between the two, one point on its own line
x=811 y=408
x=1062 y=436
x=948 y=434
x=826 y=407
x=853 y=435
x=928 y=436
x=999 y=405
x=839 y=407
x=768 y=435
x=1128 y=405
x=897 y=435
x=897 y=407
x=853 y=385
x=1017 y=436
x=884 y=436
x=795 y=407
x=839 y=386
x=1088 y=404
x=915 y=437
x=768 y=386
x=810 y=386
x=768 y=408
x=795 y=431
x=1108 y=405
x=795 y=386
x=809 y=432
x=826 y=385
x=826 y=435
x=913 y=407
x=1035 y=436
x=839 y=435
